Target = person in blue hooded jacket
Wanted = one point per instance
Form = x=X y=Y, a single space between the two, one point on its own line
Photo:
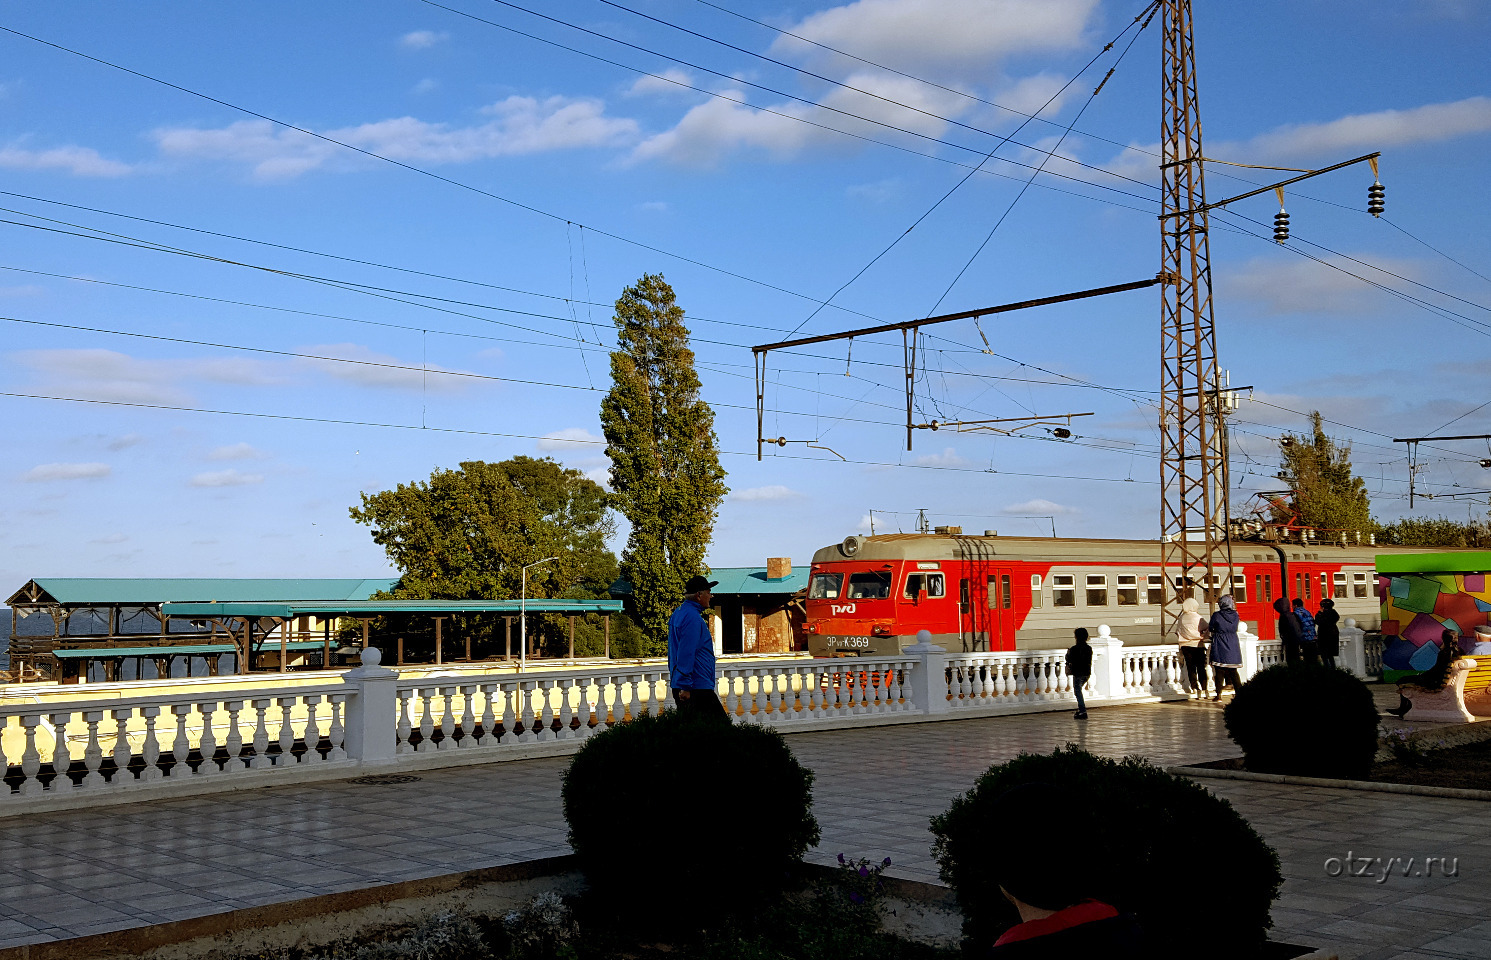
x=1309 y=644
x=691 y=653
x=1226 y=651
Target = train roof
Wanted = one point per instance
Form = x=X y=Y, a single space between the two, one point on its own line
x=936 y=546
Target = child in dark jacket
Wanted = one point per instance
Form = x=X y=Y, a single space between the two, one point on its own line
x=1079 y=668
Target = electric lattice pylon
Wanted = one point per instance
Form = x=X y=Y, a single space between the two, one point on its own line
x=1193 y=462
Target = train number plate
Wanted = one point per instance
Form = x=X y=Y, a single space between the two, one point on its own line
x=849 y=643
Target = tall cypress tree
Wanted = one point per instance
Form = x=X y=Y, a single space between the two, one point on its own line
x=665 y=464
x=1324 y=490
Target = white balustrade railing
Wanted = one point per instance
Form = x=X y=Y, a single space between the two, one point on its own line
x=1270 y=653
x=86 y=747
x=172 y=739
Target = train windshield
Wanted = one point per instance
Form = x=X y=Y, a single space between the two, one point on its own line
x=873 y=585
x=825 y=586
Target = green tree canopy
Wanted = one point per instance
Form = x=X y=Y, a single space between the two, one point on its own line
x=665 y=465
x=1436 y=532
x=1323 y=490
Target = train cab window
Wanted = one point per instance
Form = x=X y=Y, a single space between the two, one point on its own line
x=1097 y=589
x=1128 y=590
x=1258 y=585
x=934 y=583
x=1239 y=588
x=825 y=586
x=1035 y=589
x=1063 y=591
x=1339 y=592
x=870 y=585
x=1358 y=585
x=1156 y=589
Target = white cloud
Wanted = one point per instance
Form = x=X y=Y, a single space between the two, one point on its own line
x=877 y=192
x=427 y=85
x=1032 y=93
x=653 y=206
x=125 y=441
x=773 y=491
x=51 y=472
x=237 y=451
x=23 y=290
x=78 y=161
x=226 y=478
x=96 y=374
x=517 y=126
x=111 y=538
x=1304 y=286
x=664 y=83
x=601 y=476
x=422 y=39
x=570 y=438
x=1039 y=508
x=947 y=458
x=942 y=37
x=368 y=373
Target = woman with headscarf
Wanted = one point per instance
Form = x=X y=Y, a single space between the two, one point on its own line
x=1226 y=651
x=1189 y=633
x=1328 y=633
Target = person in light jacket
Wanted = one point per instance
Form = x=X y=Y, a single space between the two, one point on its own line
x=1226 y=651
x=1189 y=633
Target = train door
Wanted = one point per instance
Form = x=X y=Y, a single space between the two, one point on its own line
x=973 y=613
x=999 y=586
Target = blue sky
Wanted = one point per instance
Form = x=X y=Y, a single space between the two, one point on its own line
x=753 y=216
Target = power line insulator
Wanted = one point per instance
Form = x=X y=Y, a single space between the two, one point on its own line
x=1375 y=194
x=1061 y=433
x=1281 y=226
x=1486 y=463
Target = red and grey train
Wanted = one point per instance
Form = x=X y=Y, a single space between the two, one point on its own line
x=871 y=595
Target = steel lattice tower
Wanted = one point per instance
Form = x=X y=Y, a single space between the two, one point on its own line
x=1193 y=462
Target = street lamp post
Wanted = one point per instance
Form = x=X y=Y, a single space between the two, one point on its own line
x=523 y=616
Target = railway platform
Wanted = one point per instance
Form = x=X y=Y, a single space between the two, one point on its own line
x=83 y=872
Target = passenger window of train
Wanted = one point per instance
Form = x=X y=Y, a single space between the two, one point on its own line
x=1307 y=586
x=934 y=583
x=873 y=585
x=1097 y=589
x=1268 y=589
x=1128 y=590
x=825 y=586
x=1325 y=589
x=1339 y=592
x=1358 y=585
x=1299 y=584
x=1156 y=589
x=1035 y=589
x=1240 y=588
x=1004 y=592
x=1063 y=591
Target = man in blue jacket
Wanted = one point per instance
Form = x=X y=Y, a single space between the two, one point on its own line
x=691 y=653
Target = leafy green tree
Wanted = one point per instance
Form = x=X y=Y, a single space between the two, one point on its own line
x=466 y=534
x=665 y=465
x=1323 y=490
x=1435 y=532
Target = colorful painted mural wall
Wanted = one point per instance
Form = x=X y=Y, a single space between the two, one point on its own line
x=1419 y=605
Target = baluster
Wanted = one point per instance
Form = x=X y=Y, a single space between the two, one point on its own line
x=488 y=718
x=426 y=697
x=814 y=680
x=468 y=717
x=524 y=711
x=762 y=697
x=261 y=758
x=150 y=749
x=566 y=713
x=727 y=677
x=181 y=746
x=875 y=688
x=543 y=710
x=908 y=699
x=93 y=753
x=668 y=702
x=773 y=694
x=61 y=752
x=207 y=743
x=585 y=706
x=121 y=746
x=1128 y=673
x=287 y=732
x=406 y=729
x=338 y=733
x=1039 y=667
x=312 y=733
x=634 y=697
x=447 y=719
x=805 y=687
x=234 y=743
x=603 y=701
x=31 y=757
x=984 y=688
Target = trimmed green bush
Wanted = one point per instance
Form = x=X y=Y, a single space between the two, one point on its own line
x=680 y=820
x=1150 y=843
x=1306 y=720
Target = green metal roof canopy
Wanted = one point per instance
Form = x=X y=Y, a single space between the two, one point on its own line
x=103 y=591
x=1464 y=561
x=373 y=608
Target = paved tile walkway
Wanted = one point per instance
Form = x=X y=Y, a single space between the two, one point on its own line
x=76 y=873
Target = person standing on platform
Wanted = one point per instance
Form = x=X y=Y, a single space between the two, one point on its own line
x=1189 y=632
x=1226 y=651
x=691 y=671
x=1328 y=633
x=1289 y=632
x=1079 y=668
x=1309 y=646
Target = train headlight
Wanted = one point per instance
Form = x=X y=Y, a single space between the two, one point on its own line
x=880 y=630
